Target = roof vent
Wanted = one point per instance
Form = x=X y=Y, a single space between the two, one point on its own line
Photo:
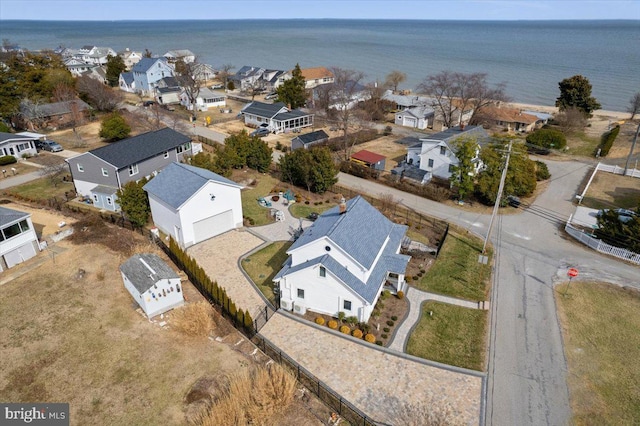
x=343 y=205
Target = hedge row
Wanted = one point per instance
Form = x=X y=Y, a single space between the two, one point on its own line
x=608 y=140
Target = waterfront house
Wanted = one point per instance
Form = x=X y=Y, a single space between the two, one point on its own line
x=510 y=119
x=18 y=239
x=193 y=204
x=99 y=173
x=317 y=76
x=184 y=55
x=130 y=57
x=417 y=117
x=246 y=77
x=343 y=262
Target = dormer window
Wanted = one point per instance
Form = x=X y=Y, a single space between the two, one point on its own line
x=443 y=150
x=323 y=271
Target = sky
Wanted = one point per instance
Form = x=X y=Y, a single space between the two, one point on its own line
x=107 y=10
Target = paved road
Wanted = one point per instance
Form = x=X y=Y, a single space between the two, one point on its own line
x=527 y=368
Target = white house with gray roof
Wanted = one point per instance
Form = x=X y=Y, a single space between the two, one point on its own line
x=343 y=262
x=192 y=204
x=152 y=283
x=18 y=144
x=18 y=239
x=418 y=117
x=99 y=173
x=275 y=117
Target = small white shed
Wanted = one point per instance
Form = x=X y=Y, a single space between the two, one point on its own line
x=152 y=283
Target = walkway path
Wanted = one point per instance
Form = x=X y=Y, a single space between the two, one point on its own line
x=280 y=231
x=416 y=298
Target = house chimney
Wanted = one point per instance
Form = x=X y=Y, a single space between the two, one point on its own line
x=343 y=206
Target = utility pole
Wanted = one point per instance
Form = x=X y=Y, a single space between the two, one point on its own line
x=633 y=145
x=503 y=178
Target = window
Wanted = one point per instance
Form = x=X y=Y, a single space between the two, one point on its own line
x=443 y=150
x=133 y=169
x=346 y=305
x=430 y=162
x=301 y=293
x=95 y=198
x=166 y=154
x=323 y=271
x=80 y=167
x=109 y=201
x=105 y=172
x=451 y=166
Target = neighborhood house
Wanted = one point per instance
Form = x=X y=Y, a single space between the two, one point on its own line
x=99 y=173
x=343 y=262
x=18 y=145
x=277 y=118
x=193 y=204
x=152 y=284
x=18 y=239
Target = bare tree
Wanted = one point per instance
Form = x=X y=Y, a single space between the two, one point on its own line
x=256 y=87
x=99 y=95
x=634 y=105
x=394 y=78
x=31 y=114
x=225 y=73
x=455 y=93
x=190 y=80
x=571 y=120
x=53 y=170
x=344 y=95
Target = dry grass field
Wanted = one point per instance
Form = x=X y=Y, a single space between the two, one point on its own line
x=70 y=332
x=608 y=191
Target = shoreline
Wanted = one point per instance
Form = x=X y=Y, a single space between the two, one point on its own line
x=600 y=113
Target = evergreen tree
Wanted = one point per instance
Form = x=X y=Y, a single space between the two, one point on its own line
x=575 y=92
x=114 y=127
x=115 y=66
x=313 y=169
x=463 y=175
x=292 y=92
x=134 y=202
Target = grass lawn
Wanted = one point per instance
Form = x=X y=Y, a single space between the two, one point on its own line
x=600 y=324
x=41 y=189
x=303 y=210
x=457 y=272
x=582 y=144
x=263 y=265
x=250 y=206
x=608 y=190
x=453 y=335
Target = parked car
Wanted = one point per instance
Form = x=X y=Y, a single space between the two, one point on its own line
x=217 y=86
x=272 y=95
x=48 y=145
x=262 y=131
x=312 y=216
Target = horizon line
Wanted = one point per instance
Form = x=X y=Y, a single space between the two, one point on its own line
x=324 y=19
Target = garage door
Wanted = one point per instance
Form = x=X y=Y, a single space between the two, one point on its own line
x=410 y=121
x=213 y=226
x=19 y=255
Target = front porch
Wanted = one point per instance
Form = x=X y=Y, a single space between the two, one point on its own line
x=395 y=283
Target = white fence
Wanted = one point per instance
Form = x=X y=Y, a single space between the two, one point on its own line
x=618 y=170
x=600 y=245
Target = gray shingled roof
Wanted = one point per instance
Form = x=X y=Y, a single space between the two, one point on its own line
x=133 y=150
x=163 y=90
x=127 y=77
x=178 y=182
x=104 y=189
x=142 y=277
x=455 y=132
x=145 y=63
x=58 y=108
x=262 y=109
x=8 y=216
x=13 y=136
x=316 y=136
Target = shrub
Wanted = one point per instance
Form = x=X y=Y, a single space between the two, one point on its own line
x=357 y=334
x=390 y=323
x=7 y=159
x=407 y=279
x=306 y=202
x=542 y=171
x=547 y=138
x=400 y=295
x=370 y=338
x=379 y=342
x=320 y=321
x=379 y=305
x=275 y=198
x=114 y=127
x=332 y=325
x=415 y=277
x=353 y=320
x=384 y=336
x=607 y=141
x=387 y=130
x=385 y=294
x=194 y=319
x=422 y=271
x=394 y=318
x=386 y=329
x=345 y=329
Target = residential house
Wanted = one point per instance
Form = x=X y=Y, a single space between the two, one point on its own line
x=185 y=55
x=53 y=115
x=543 y=117
x=204 y=72
x=18 y=239
x=99 y=173
x=152 y=283
x=417 y=117
x=436 y=153
x=18 y=145
x=126 y=82
x=246 y=77
x=308 y=140
x=274 y=78
x=349 y=96
x=168 y=95
x=314 y=77
x=276 y=117
x=148 y=71
x=343 y=262
x=98 y=73
x=506 y=118
x=206 y=99
x=193 y=204
x=130 y=57
x=369 y=159
x=77 y=67
x=94 y=54
x=403 y=102
x=168 y=82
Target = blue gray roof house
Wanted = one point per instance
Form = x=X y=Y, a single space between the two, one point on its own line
x=365 y=235
x=178 y=182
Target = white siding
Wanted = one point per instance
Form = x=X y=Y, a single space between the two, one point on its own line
x=158 y=305
x=317 y=249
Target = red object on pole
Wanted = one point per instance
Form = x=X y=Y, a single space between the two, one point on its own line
x=573 y=272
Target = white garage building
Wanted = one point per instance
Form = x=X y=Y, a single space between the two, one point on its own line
x=193 y=204
x=18 y=239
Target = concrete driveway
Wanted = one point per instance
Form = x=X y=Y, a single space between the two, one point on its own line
x=282 y=230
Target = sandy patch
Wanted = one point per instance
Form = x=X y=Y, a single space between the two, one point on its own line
x=46 y=222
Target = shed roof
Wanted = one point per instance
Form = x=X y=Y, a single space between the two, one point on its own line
x=178 y=182
x=146 y=269
x=317 y=136
x=368 y=156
